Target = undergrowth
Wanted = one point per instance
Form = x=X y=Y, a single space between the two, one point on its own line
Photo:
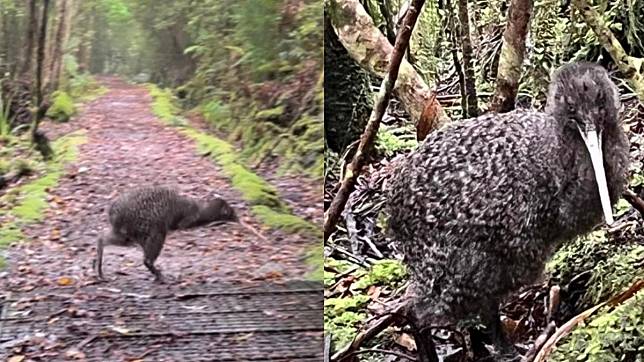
x=62 y=107
x=344 y=314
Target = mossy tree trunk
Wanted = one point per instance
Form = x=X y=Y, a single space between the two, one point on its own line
x=468 y=61
x=630 y=67
x=40 y=63
x=512 y=55
x=371 y=49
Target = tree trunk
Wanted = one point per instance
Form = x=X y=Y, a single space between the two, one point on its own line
x=512 y=54
x=332 y=215
x=468 y=66
x=629 y=66
x=32 y=27
x=40 y=60
x=58 y=45
x=366 y=44
x=452 y=36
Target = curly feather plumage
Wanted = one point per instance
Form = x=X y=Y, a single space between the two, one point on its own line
x=481 y=204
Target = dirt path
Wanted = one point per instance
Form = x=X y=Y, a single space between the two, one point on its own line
x=127 y=146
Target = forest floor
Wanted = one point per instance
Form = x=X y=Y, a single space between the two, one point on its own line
x=229 y=294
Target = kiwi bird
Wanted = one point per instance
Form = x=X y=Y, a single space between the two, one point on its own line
x=145 y=215
x=481 y=204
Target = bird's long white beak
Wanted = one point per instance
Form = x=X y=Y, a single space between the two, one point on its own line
x=594 y=146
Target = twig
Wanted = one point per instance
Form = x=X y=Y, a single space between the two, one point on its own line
x=570 y=325
x=634 y=200
x=383 y=351
x=366 y=140
x=380 y=325
x=327 y=348
x=553 y=301
x=540 y=341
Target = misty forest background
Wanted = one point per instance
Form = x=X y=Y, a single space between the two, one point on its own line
x=253 y=69
x=467 y=58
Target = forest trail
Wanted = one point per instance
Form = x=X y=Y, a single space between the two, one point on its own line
x=229 y=296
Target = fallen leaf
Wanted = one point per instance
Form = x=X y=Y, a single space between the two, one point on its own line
x=406 y=341
x=75 y=353
x=55 y=234
x=63 y=281
x=17 y=358
x=119 y=329
x=244 y=337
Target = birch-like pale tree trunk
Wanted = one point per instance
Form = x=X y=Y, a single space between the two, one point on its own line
x=371 y=49
x=512 y=55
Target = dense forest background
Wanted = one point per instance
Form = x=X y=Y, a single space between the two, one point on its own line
x=253 y=69
x=467 y=58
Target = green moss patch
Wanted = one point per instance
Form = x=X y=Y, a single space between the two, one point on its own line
x=343 y=316
x=315 y=259
x=612 y=335
x=62 y=107
x=29 y=201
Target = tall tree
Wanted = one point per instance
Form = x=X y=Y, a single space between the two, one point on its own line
x=58 y=45
x=371 y=49
x=512 y=55
x=468 y=61
x=32 y=28
x=40 y=60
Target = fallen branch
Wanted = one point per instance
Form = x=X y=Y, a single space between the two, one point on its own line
x=380 y=325
x=634 y=200
x=366 y=140
x=540 y=341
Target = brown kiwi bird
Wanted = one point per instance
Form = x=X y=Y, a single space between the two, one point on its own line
x=145 y=216
x=481 y=204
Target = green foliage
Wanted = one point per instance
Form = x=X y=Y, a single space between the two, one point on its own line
x=391 y=141
x=62 y=107
x=344 y=315
x=612 y=336
x=387 y=272
x=5 y=121
x=612 y=275
x=218 y=114
x=579 y=255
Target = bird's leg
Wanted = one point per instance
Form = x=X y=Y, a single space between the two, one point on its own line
x=151 y=250
x=107 y=238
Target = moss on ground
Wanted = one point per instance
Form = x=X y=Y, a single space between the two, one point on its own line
x=343 y=316
x=29 y=201
x=62 y=107
x=610 y=334
x=263 y=197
